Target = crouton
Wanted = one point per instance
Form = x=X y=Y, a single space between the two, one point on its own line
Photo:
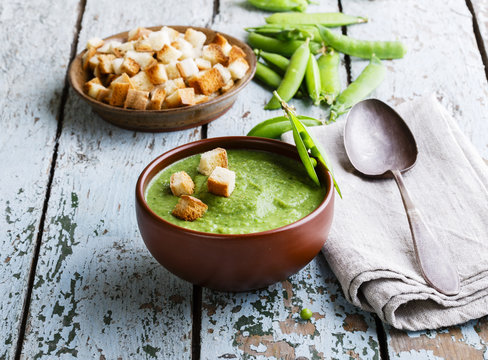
x=214 y=54
x=144 y=59
x=235 y=53
x=158 y=94
x=123 y=79
x=238 y=68
x=94 y=43
x=96 y=72
x=119 y=93
x=189 y=208
x=226 y=75
x=221 y=181
x=105 y=48
x=187 y=68
x=121 y=50
x=117 y=65
x=141 y=81
x=107 y=79
x=180 y=97
x=158 y=39
x=194 y=37
x=136 y=99
x=171 y=86
x=185 y=47
x=168 y=54
x=95 y=80
x=138 y=33
x=203 y=64
x=96 y=90
x=181 y=184
x=130 y=66
x=206 y=82
x=105 y=63
x=200 y=99
x=172 y=71
x=93 y=63
x=143 y=45
x=227 y=86
x=171 y=33
x=157 y=74
x=211 y=159
x=90 y=53
x=223 y=43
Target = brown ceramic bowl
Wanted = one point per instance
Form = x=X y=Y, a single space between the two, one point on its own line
x=167 y=119
x=233 y=262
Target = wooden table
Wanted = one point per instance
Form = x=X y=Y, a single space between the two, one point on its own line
x=75 y=277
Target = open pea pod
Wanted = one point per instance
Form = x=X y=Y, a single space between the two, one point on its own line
x=302 y=150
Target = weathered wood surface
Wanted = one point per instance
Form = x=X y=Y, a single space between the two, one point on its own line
x=480 y=9
x=32 y=80
x=266 y=324
x=443 y=57
x=98 y=293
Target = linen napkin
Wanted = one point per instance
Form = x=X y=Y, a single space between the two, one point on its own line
x=370 y=247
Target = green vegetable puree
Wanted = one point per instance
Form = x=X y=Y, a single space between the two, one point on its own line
x=271 y=191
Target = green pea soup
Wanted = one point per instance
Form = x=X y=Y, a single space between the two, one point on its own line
x=271 y=191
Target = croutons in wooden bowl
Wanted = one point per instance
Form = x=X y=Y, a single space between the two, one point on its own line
x=165 y=117
x=233 y=262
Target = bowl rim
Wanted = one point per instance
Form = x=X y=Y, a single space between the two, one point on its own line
x=140 y=191
x=235 y=89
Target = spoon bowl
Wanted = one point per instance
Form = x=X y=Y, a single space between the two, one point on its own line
x=379 y=144
x=378 y=140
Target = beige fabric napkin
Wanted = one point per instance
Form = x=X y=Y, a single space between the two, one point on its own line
x=370 y=248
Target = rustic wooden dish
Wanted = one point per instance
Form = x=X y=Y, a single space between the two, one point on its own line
x=230 y=262
x=167 y=119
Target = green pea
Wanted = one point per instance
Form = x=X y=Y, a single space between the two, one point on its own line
x=312 y=79
x=293 y=76
x=329 y=75
x=280 y=5
x=306 y=314
x=276 y=60
x=273 y=128
x=362 y=48
x=325 y=19
x=369 y=79
x=285 y=48
x=267 y=76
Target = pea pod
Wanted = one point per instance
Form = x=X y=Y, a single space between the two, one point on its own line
x=362 y=48
x=367 y=81
x=267 y=76
x=273 y=128
x=285 y=48
x=329 y=75
x=276 y=60
x=325 y=19
x=312 y=79
x=287 y=32
x=280 y=5
x=304 y=142
x=293 y=76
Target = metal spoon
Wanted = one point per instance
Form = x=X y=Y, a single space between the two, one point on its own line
x=379 y=144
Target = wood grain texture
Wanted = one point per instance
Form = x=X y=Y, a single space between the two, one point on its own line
x=266 y=324
x=443 y=58
x=98 y=293
x=32 y=80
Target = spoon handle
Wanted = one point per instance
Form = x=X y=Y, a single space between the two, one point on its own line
x=435 y=263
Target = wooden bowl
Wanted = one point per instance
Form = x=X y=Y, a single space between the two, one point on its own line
x=225 y=261
x=167 y=119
